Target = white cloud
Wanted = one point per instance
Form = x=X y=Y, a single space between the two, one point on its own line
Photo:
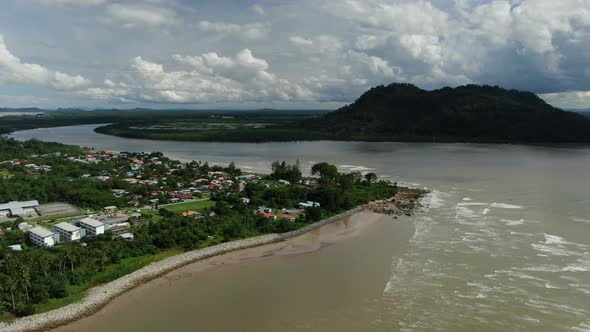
x=413 y=17
x=258 y=9
x=14 y=71
x=319 y=44
x=336 y=49
x=301 y=41
x=249 y=31
x=74 y=2
x=367 y=42
x=204 y=78
x=374 y=65
x=568 y=100
x=131 y=16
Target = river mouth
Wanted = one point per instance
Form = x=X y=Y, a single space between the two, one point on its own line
x=200 y=293
x=502 y=246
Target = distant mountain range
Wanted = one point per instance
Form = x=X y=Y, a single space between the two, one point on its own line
x=474 y=113
x=23 y=110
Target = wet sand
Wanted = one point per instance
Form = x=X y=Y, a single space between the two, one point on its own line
x=281 y=276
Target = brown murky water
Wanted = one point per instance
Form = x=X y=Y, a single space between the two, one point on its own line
x=503 y=246
x=328 y=280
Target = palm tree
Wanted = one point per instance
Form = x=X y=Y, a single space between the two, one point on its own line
x=12 y=286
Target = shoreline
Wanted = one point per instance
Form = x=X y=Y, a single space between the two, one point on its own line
x=98 y=297
x=424 y=141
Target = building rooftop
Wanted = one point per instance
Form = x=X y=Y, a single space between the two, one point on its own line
x=67 y=227
x=16 y=208
x=91 y=222
x=41 y=232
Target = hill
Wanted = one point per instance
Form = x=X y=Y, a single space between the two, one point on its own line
x=471 y=113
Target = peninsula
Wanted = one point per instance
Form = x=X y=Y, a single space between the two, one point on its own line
x=75 y=218
x=397 y=112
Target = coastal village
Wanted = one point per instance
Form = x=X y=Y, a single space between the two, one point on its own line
x=73 y=218
x=147 y=184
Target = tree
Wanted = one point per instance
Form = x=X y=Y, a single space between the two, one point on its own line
x=370 y=177
x=284 y=171
x=313 y=213
x=328 y=173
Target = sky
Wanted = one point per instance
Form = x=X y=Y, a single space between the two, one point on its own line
x=292 y=54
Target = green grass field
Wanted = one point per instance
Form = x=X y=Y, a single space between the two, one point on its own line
x=189 y=206
x=50 y=220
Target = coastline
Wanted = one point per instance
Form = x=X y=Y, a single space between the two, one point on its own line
x=100 y=296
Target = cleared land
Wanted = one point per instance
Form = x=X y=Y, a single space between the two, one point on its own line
x=189 y=206
x=57 y=209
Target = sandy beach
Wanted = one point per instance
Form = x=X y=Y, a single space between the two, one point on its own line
x=331 y=235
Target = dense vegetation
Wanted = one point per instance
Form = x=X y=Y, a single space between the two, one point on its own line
x=146 y=117
x=37 y=279
x=403 y=112
x=466 y=113
x=398 y=112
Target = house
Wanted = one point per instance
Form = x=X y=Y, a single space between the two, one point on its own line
x=115 y=220
x=67 y=232
x=308 y=204
x=110 y=208
x=285 y=182
x=119 y=227
x=92 y=227
x=310 y=181
x=25 y=227
x=126 y=236
x=288 y=217
x=190 y=213
x=42 y=237
x=245 y=200
x=15 y=247
x=267 y=215
x=19 y=209
x=183 y=196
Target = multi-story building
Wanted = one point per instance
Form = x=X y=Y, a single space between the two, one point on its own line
x=42 y=237
x=67 y=232
x=92 y=227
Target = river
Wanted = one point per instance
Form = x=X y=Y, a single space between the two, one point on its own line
x=502 y=246
x=2 y=114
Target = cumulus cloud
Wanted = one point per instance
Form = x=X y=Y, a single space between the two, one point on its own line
x=258 y=9
x=444 y=42
x=414 y=17
x=568 y=100
x=137 y=15
x=204 y=78
x=250 y=31
x=74 y=2
x=336 y=49
x=319 y=44
x=15 y=71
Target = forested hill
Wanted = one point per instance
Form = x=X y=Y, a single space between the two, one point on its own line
x=468 y=113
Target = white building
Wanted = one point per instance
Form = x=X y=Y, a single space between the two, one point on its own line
x=19 y=209
x=308 y=204
x=67 y=232
x=42 y=237
x=93 y=227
